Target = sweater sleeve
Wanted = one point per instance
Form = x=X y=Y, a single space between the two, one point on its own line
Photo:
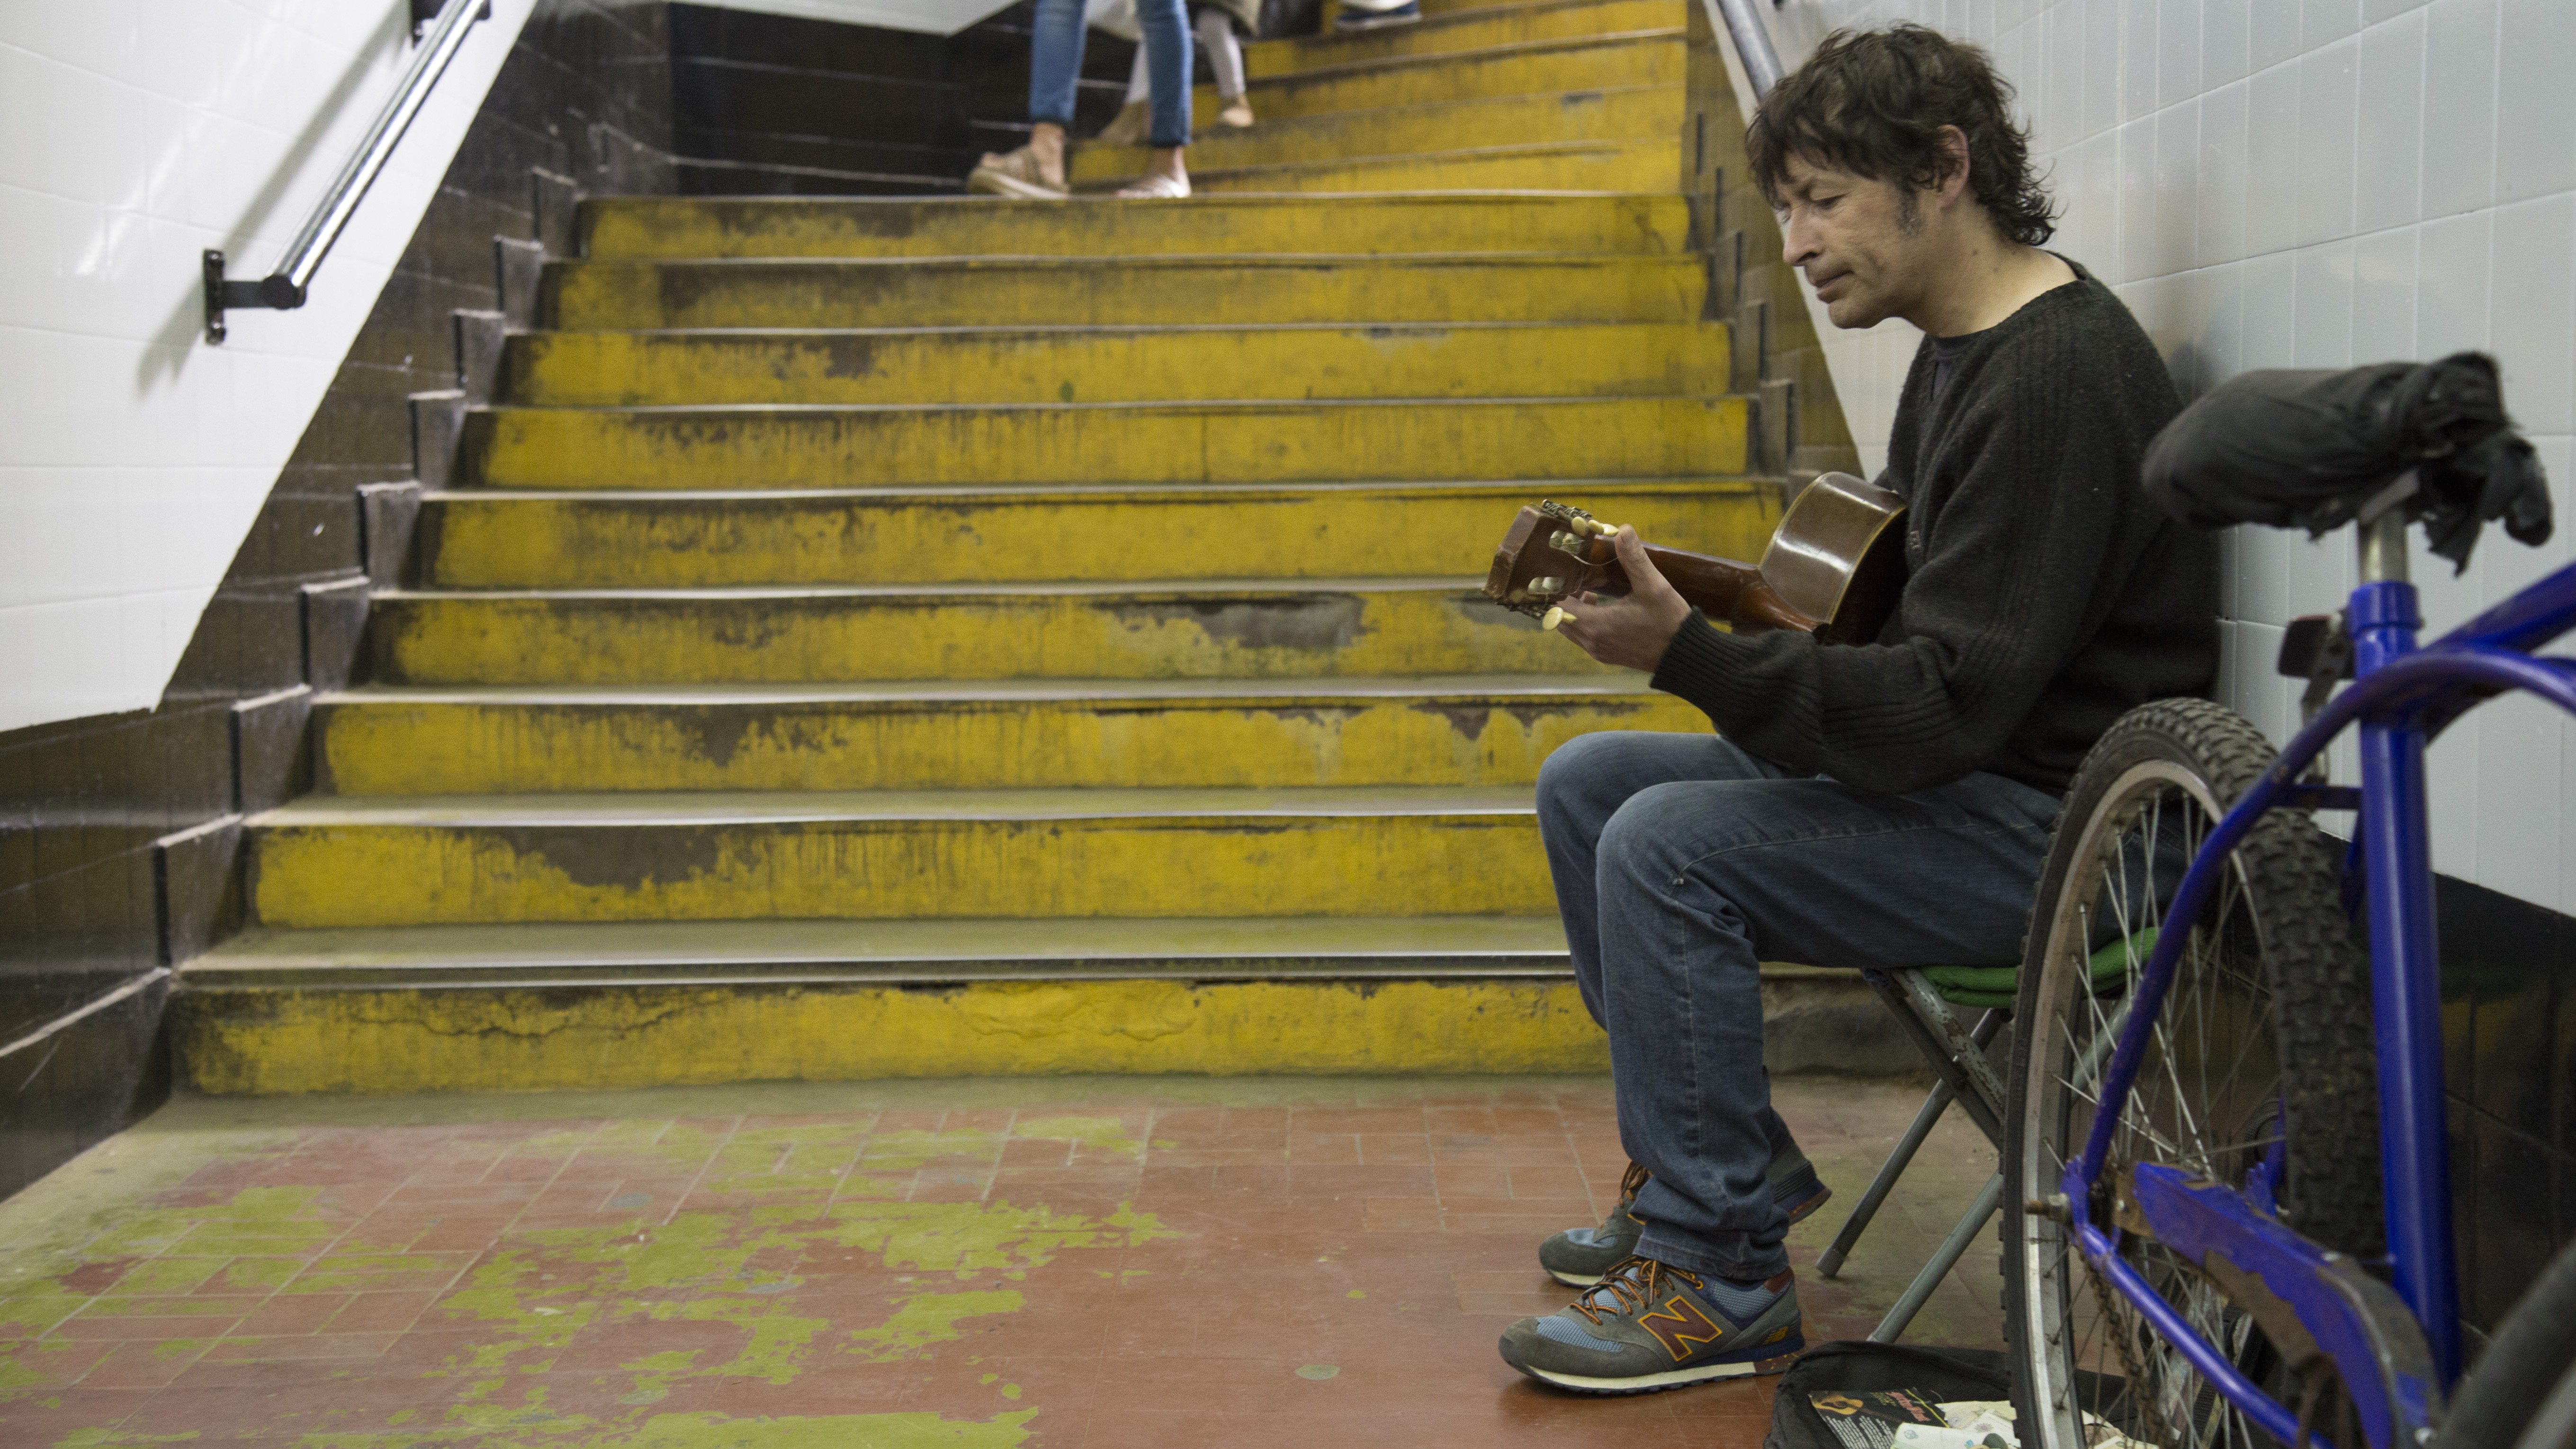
x=1996 y=606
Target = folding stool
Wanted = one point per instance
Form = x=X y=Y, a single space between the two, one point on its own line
x=1923 y=999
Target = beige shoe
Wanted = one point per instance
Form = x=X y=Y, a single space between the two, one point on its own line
x=1017 y=173
x=1156 y=187
x=1237 y=113
x=1135 y=121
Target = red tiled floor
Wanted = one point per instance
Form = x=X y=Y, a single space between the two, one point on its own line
x=1241 y=1263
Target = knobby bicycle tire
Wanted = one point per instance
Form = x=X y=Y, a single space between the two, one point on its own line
x=2522 y=1393
x=2273 y=964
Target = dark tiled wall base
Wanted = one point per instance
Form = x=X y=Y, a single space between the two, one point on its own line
x=81 y=1081
x=118 y=838
x=2509 y=1038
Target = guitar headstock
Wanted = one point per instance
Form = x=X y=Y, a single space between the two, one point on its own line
x=1551 y=553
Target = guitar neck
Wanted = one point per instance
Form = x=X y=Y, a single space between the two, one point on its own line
x=1731 y=592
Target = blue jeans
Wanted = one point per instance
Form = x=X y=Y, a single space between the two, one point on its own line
x=1055 y=63
x=1681 y=863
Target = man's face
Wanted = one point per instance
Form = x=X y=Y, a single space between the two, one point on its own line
x=1860 y=242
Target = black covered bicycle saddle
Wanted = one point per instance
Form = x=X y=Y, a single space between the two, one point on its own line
x=2313 y=448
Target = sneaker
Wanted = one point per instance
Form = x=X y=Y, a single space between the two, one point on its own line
x=1237 y=114
x=1649 y=1326
x=1135 y=121
x=1352 y=17
x=1016 y=173
x=1578 y=1257
x=1155 y=186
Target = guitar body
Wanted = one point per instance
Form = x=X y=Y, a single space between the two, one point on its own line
x=1834 y=566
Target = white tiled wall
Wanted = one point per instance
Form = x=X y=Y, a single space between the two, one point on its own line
x=133 y=456
x=2313 y=183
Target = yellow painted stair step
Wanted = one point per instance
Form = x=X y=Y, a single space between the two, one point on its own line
x=1656 y=57
x=596 y=1006
x=1115 y=364
x=1471 y=730
x=1459 y=32
x=1261 y=629
x=827 y=447
x=492 y=538
x=1608 y=114
x=817 y=228
x=1555 y=166
x=1055 y=291
x=344 y=861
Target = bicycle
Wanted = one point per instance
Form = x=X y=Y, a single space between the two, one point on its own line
x=2230 y=1257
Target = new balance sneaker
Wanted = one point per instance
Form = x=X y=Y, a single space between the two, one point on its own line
x=1578 y=1257
x=1647 y=1326
x=1019 y=174
x=1358 y=16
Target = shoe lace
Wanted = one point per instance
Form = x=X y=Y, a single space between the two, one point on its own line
x=1632 y=1180
x=1628 y=1287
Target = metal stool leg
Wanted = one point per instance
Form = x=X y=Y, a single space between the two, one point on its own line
x=1890 y=1170
x=1943 y=1260
x=1933 y=1106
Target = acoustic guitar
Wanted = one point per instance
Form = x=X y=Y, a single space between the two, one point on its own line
x=1833 y=567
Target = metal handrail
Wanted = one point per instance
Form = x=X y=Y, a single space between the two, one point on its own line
x=286 y=287
x=1752 y=43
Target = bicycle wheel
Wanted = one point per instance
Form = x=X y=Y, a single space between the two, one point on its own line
x=2522 y=1394
x=2260 y=1070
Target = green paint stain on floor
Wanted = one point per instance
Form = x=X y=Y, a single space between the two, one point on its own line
x=926 y=1319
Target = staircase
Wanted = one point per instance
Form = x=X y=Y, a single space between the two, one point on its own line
x=880 y=638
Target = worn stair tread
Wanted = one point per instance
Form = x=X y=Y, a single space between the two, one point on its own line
x=822 y=228
x=1609 y=146
x=1322 y=133
x=767 y=807
x=1472 y=687
x=1140 y=492
x=1512 y=50
x=886 y=952
x=1158 y=261
x=1155 y=590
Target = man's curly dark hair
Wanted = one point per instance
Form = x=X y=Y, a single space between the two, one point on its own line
x=1873 y=103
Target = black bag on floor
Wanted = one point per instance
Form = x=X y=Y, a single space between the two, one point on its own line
x=1853 y=1370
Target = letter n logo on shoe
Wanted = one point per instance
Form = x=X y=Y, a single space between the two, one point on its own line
x=1688 y=1326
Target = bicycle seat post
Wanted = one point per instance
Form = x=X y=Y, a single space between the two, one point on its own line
x=2383 y=548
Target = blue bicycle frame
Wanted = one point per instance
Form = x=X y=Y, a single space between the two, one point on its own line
x=2396 y=1344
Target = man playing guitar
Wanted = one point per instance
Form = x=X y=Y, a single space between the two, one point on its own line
x=1881 y=803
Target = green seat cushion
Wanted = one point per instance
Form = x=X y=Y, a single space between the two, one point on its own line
x=1987 y=987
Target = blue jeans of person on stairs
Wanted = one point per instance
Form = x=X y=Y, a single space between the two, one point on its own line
x=1055 y=64
x=1682 y=862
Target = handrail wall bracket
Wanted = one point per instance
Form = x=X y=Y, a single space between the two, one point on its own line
x=287 y=287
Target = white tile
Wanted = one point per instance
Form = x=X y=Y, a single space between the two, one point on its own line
x=2227 y=602
x=2375 y=11
x=2099 y=175
x=179 y=49
x=2262 y=585
x=2535 y=101
x=2101 y=65
x=2138 y=58
x=2066 y=71
x=2326 y=142
x=2219 y=222
x=2451 y=783
x=2272 y=181
x=2273 y=35
x=2323 y=22
x=2532 y=324
x=97 y=36
x=2177 y=189
x=2459 y=105
x=2388 y=150
x=2224 y=32
x=2177 y=51
x=2454 y=256
x=2221 y=341
x=2138 y=226
x=2269 y=301
x=2383 y=297
x=2323 y=316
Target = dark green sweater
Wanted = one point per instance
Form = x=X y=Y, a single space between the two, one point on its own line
x=2045 y=594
